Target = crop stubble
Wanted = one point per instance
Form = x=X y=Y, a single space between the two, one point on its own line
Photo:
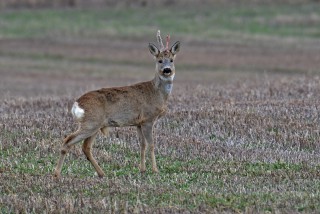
x=233 y=140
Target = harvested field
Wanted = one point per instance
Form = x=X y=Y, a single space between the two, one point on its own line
x=241 y=134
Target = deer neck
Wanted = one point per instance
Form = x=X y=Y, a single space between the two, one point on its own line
x=163 y=85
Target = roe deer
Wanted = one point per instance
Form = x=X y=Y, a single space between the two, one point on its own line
x=137 y=105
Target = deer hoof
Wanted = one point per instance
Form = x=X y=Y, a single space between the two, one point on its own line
x=101 y=175
x=56 y=175
x=142 y=169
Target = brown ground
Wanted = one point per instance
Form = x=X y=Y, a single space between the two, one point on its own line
x=243 y=117
x=54 y=68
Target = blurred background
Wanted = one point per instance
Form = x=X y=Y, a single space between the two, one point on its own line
x=66 y=47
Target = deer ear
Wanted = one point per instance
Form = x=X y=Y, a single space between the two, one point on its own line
x=153 y=49
x=175 y=48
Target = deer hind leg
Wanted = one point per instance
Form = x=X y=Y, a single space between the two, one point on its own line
x=104 y=130
x=86 y=148
x=147 y=132
x=70 y=140
x=143 y=147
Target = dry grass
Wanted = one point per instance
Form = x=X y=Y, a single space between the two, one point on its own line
x=250 y=146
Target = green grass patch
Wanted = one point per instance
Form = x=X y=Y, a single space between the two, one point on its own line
x=215 y=184
x=234 y=21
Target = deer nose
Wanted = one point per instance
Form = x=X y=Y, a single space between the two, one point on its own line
x=167 y=71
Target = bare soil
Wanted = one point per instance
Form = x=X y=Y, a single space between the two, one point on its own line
x=52 y=68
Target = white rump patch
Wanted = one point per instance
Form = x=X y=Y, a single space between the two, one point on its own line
x=76 y=111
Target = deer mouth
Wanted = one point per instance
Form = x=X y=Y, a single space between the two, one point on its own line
x=167 y=71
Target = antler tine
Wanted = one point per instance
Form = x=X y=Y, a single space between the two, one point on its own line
x=168 y=40
x=160 y=40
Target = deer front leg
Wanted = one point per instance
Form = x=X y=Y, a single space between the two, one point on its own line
x=143 y=147
x=147 y=131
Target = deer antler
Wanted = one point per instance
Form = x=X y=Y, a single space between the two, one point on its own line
x=160 y=41
x=168 y=40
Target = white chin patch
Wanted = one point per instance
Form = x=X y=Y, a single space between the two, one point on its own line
x=170 y=78
x=76 y=111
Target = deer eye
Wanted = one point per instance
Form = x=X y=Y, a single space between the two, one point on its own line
x=160 y=61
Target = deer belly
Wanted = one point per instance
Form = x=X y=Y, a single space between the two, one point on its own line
x=125 y=120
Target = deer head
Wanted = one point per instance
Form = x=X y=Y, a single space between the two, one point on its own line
x=164 y=57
